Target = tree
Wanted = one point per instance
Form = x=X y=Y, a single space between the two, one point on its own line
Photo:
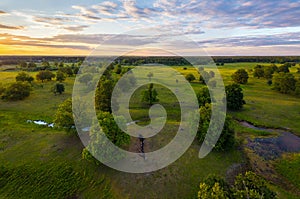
x=111 y=130
x=60 y=76
x=61 y=64
x=23 y=64
x=31 y=65
x=204 y=76
x=226 y=140
x=45 y=75
x=190 y=77
x=211 y=74
x=214 y=192
x=297 y=89
x=58 y=88
x=284 y=82
x=103 y=94
x=85 y=78
x=268 y=72
x=24 y=77
x=250 y=185
x=118 y=69
x=234 y=96
x=16 y=91
x=201 y=68
x=68 y=70
x=45 y=65
x=150 y=95
x=284 y=68
x=203 y=96
x=258 y=71
x=240 y=76
x=150 y=75
x=214 y=187
x=75 y=70
x=64 y=116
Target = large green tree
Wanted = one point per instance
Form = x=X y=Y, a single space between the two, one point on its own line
x=284 y=82
x=103 y=94
x=203 y=96
x=240 y=76
x=226 y=140
x=190 y=77
x=98 y=143
x=60 y=76
x=58 y=88
x=45 y=75
x=64 y=116
x=150 y=95
x=204 y=76
x=234 y=96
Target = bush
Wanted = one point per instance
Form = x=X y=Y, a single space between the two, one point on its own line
x=234 y=96
x=24 y=77
x=240 y=76
x=58 y=88
x=248 y=185
x=284 y=82
x=16 y=91
x=204 y=77
x=60 y=76
x=258 y=72
x=203 y=96
x=226 y=140
x=297 y=90
x=190 y=77
x=64 y=116
x=110 y=130
x=45 y=75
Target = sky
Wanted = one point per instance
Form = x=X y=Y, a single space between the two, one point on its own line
x=140 y=27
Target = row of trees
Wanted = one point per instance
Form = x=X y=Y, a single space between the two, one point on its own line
x=45 y=65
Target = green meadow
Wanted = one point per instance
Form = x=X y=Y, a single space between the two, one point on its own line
x=43 y=162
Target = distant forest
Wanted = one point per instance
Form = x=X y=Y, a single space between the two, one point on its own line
x=166 y=60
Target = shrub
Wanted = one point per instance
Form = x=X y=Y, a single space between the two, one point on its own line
x=45 y=75
x=23 y=77
x=234 y=96
x=240 y=76
x=190 y=77
x=16 y=91
x=58 y=88
x=226 y=140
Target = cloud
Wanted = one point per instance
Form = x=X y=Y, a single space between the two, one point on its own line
x=15 y=40
x=287 y=39
x=11 y=27
x=50 y=20
x=76 y=28
x=2 y=12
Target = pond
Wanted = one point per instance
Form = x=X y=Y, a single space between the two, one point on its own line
x=272 y=147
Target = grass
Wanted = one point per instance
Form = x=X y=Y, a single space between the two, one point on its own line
x=41 y=153
x=289 y=167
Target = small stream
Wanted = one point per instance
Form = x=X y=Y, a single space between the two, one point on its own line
x=272 y=147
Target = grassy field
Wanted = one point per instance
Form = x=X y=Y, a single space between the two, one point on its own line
x=39 y=153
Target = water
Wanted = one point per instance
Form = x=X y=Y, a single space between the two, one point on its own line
x=41 y=122
x=272 y=147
